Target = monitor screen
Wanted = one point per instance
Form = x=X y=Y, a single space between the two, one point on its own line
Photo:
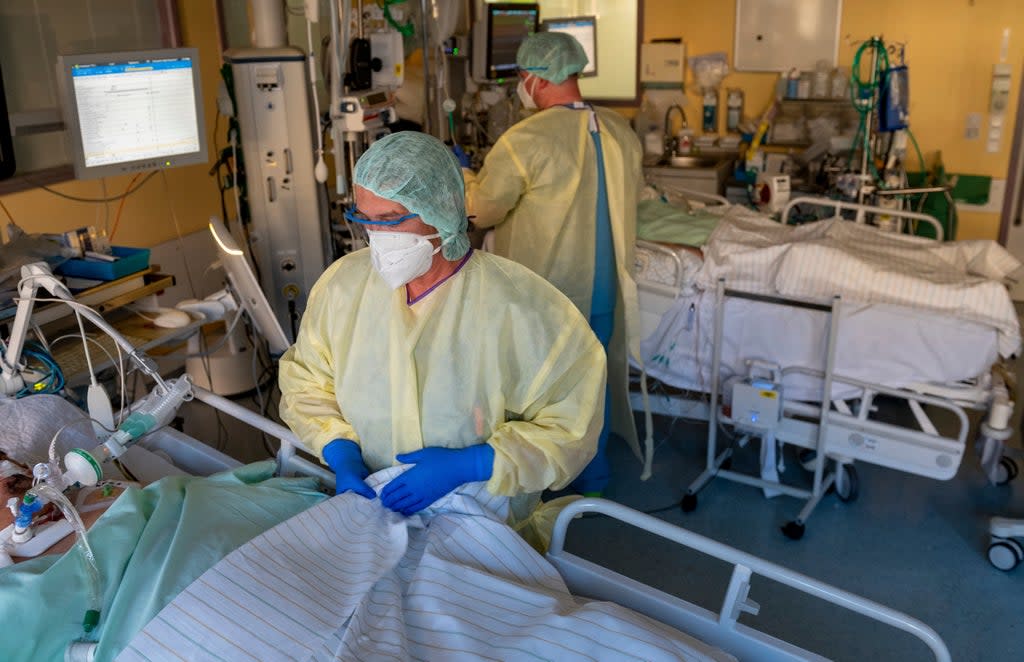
x=6 y=143
x=133 y=111
x=507 y=26
x=584 y=29
x=247 y=288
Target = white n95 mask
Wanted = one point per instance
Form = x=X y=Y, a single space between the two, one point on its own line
x=524 y=96
x=400 y=257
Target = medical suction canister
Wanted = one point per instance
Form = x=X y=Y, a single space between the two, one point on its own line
x=155 y=410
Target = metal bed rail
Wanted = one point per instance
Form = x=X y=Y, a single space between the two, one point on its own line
x=721 y=629
x=861 y=212
x=289 y=462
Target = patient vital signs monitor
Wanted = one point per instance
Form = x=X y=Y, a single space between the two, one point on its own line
x=584 y=30
x=132 y=111
x=497 y=35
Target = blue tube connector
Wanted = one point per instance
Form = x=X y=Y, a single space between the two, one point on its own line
x=28 y=508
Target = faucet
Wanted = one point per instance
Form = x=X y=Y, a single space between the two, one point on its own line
x=671 y=143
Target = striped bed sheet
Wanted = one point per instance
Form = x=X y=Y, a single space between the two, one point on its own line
x=965 y=280
x=348 y=579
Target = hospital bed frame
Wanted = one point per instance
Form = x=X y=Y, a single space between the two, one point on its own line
x=721 y=629
x=589 y=580
x=839 y=432
x=863 y=212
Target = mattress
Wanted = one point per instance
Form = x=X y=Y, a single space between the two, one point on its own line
x=880 y=343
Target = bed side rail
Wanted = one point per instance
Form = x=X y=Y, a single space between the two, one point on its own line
x=289 y=462
x=690 y=194
x=861 y=212
x=736 y=598
x=676 y=260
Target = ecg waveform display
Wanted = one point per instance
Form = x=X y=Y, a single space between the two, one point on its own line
x=134 y=111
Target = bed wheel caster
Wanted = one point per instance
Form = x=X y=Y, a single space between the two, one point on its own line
x=851 y=484
x=1005 y=554
x=1006 y=471
x=793 y=530
x=689 y=503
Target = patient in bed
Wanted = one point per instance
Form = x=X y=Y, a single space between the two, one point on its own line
x=91 y=502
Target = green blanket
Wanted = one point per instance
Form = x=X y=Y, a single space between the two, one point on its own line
x=657 y=220
x=149 y=545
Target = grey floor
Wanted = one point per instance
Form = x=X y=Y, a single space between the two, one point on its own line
x=911 y=543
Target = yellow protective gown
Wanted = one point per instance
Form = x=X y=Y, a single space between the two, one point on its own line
x=538 y=190
x=494 y=354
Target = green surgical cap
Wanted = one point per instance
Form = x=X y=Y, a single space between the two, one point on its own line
x=418 y=171
x=554 y=56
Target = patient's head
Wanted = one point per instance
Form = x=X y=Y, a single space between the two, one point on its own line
x=16 y=480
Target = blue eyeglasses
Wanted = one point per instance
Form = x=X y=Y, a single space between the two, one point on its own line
x=360 y=217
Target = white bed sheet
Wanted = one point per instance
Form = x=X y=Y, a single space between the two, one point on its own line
x=963 y=279
x=883 y=344
x=348 y=579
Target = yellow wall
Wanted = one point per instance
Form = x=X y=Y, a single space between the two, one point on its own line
x=145 y=219
x=951 y=47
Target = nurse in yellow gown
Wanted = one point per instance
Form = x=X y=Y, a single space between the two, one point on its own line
x=419 y=350
x=560 y=190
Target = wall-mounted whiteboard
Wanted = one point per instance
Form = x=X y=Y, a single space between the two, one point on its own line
x=779 y=35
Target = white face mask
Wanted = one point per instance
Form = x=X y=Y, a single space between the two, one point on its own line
x=524 y=95
x=400 y=257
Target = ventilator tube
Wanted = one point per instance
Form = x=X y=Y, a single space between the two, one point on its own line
x=155 y=410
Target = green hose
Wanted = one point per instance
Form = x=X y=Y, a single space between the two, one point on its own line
x=861 y=94
x=406 y=30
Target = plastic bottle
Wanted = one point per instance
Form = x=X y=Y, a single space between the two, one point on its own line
x=804 y=86
x=793 y=84
x=840 y=79
x=734 y=109
x=820 y=80
x=652 y=140
x=710 y=123
x=685 y=141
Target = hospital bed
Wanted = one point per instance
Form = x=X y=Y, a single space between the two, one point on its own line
x=712 y=635
x=666 y=622
x=705 y=334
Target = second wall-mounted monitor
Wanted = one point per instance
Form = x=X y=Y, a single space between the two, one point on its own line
x=133 y=111
x=584 y=30
x=497 y=34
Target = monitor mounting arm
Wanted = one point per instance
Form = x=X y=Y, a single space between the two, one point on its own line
x=33 y=277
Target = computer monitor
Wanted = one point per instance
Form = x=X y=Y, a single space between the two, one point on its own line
x=132 y=111
x=247 y=288
x=584 y=29
x=497 y=36
x=6 y=143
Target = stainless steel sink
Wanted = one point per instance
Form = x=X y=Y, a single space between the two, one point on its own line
x=693 y=162
x=684 y=161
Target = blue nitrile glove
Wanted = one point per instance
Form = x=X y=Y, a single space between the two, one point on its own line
x=346 y=461
x=463 y=158
x=437 y=472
